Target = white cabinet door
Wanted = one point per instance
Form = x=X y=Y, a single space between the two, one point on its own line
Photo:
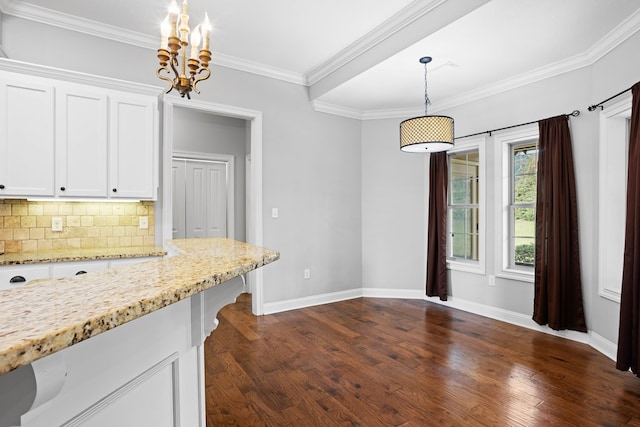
x=67 y=269
x=26 y=138
x=81 y=143
x=132 y=147
x=18 y=275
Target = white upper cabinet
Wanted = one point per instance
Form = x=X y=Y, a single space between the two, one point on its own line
x=81 y=143
x=26 y=138
x=133 y=149
x=71 y=135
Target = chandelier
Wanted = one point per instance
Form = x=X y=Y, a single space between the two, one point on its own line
x=173 y=51
x=426 y=134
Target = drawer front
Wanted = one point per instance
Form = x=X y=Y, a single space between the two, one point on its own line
x=67 y=269
x=19 y=275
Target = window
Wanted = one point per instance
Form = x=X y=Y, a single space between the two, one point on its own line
x=463 y=206
x=522 y=204
x=613 y=166
x=516 y=182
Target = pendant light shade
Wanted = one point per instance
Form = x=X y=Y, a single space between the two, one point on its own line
x=426 y=134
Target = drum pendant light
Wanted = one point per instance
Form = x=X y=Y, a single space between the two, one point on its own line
x=426 y=134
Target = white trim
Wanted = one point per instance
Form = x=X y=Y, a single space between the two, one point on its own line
x=604 y=346
x=479 y=267
x=23 y=68
x=255 y=119
x=310 y=301
x=612 y=146
x=338 y=110
x=229 y=160
x=508 y=316
x=112 y=397
x=391 y=26
x=503 y=141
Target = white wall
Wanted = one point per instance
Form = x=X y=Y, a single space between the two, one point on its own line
x=406 y=203
x=311 y=161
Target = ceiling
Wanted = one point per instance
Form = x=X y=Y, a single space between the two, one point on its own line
x=360 y=57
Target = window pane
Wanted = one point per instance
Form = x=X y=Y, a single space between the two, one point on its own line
x=458 y=245
x=525 y=188
x=524 y=222
x=524 y=251
x=458 y=220
x=459 y=190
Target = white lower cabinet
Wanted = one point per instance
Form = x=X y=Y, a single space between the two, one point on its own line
x=66 y=269
x=13 y=276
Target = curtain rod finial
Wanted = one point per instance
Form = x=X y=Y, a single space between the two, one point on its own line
x=594 y=107
x=575 y=113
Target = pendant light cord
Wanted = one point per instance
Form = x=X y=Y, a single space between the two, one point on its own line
x=427 y=101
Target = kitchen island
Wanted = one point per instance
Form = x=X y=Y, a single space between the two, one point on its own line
x=120 y=346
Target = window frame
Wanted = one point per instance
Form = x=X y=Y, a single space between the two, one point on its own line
x=612 y=165
x=505 y=141
x=468 y=145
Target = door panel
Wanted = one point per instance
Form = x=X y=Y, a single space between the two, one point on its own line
x=199 y=198
x=178 y=172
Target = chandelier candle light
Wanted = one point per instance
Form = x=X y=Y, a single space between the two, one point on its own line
x=426 y=134
x=173 y=47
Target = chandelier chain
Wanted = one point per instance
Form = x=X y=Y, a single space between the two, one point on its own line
x=427 y=101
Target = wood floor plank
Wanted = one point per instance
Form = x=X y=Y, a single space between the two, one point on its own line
x=384 y=362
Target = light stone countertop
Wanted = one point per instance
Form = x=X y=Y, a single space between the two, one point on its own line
x=43 y=318
x=67 y=255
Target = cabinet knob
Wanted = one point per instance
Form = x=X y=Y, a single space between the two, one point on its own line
x=62 y=188
x=115 y=190
x=1 y=186
x=17 y=279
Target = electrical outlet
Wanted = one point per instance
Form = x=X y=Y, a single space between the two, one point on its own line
x=144 y=222
x=307 y=273
x=274 y=213
x=492 y=280
x=56 y=223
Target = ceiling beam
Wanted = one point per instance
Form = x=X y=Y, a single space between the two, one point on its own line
x=412 y=24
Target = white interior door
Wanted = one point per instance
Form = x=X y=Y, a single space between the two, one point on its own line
x=178 y=185
x=199 y=198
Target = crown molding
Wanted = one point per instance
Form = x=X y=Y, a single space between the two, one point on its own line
x=259 y=69
x=397 y=22
x=109 y=32
x=613 y=39
x=338 y=110
x=25 y=68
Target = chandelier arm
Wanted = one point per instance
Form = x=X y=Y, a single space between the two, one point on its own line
x=165 y=78
x=173 y=62
x=207 y=74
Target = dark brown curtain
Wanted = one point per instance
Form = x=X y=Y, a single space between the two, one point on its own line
x=558 y=286
x=628 y=334
x=437 y=227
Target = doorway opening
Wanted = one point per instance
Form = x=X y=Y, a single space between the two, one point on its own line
x=253 y=229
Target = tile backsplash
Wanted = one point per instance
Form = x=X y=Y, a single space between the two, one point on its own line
x=25 y=226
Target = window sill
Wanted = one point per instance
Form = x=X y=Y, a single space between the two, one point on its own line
x=466 y=266
x=517 y=274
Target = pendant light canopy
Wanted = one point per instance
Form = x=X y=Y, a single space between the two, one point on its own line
x=426 y=134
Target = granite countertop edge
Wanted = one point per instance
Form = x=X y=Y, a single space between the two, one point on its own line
x=70 y=255
x=87 y=305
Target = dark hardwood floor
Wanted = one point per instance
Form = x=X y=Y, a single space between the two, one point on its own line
x=389 y=362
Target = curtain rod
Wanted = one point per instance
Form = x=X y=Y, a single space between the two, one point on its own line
x=574 y=113
x=599 y=104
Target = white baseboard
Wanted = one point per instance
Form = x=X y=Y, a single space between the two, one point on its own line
x=604 y=346
x=296 y=303
x=594 y=340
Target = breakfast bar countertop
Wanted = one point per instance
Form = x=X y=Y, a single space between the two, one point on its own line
x=68 y=255
x=41 y=319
